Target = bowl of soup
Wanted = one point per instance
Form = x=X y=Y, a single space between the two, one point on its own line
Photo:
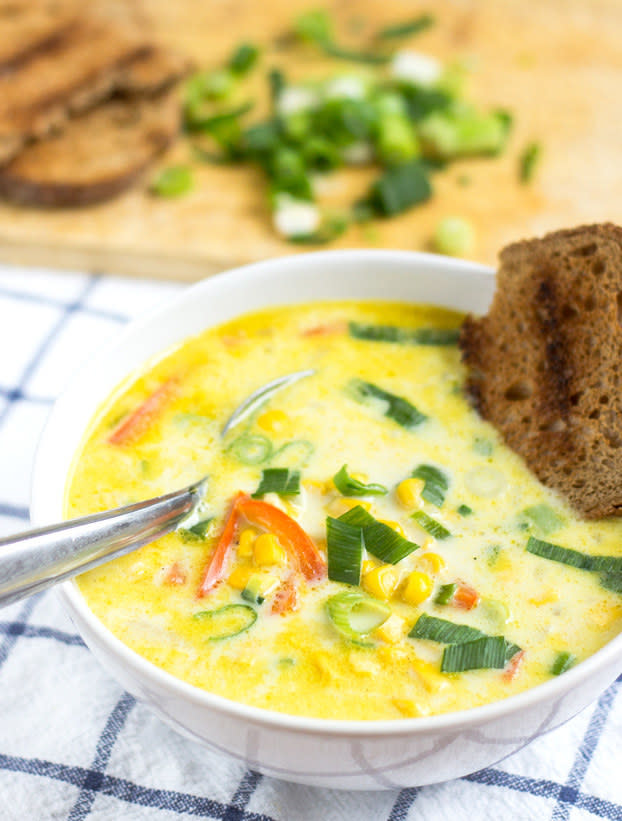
x=374 y=591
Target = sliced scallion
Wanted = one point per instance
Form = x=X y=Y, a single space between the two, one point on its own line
x=612 y=581
x=406 y=29
x=528 y=161
x=436 y=484
x=488 y=652
x=198 y=531
x=574 y=558
x=210 y=124
x=445 y=593
x=413 y=336
x=243 y=58
x=443 y=631
x=226 y=622
x=284 y=481
x=398 y=409
x=344 y=547
x=348 y=486
x=173 y=181
x=251 y=448
x=399 y=188
x=543 y=517
x=380 y=539
x=464 y=510
x=563 y=661
x=258 y=587
x=430 y=525
x=354 y=615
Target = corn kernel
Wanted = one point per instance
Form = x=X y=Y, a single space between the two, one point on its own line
x=273 y=421
x=392 y=630
x=342 y=504
x=429 y=674
x=239 y=576
x=367 y=566
x=418 y=588
x=267 y=550
x=245 y=547
x=396 y=526
x=432 y=561
x=545 y=598
x=382 y=581
x=408 y=493
x=407 y=707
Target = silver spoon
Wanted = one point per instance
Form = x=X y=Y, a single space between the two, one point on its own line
x=36 y=559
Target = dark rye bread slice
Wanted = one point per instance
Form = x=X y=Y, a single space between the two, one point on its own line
x=28 y=26
x=68 y=77
x=546 y=362
x=97 y=156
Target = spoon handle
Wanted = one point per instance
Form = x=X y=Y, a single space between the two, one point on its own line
x=37 y=559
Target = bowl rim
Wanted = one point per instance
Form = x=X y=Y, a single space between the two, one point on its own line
x=72 y=598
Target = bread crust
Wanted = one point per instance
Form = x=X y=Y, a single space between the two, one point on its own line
x=545 y=363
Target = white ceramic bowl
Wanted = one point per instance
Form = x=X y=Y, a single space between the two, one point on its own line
x=341 y=754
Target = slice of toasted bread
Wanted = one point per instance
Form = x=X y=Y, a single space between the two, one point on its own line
x=152 y=73
x=28 y=26
x=97 y=156
x=546 y=362
x=68 y=77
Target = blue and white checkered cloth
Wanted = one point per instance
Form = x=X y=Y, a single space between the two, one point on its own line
x=73 y=745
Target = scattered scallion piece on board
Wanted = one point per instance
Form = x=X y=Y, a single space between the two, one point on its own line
x=380 y=540
x=226 y=622
x=399 y=188
x=528 y=162
x=344 y=548
x=348 y=486
x=486 y=653
x=173 y=181
x=436 y=483
x=406 y=29
x=430 y=525
x=454 y=237
x=284 y=481
x=244 y=58
x=563 y=661
x=398 y=409
x=354 y=615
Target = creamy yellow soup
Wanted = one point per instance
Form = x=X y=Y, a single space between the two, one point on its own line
x=449 y=528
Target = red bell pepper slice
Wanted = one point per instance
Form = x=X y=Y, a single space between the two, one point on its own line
x=139 y=420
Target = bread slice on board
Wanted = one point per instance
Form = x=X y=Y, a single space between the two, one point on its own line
x=97 y=156
x=29 y=26
x=68 y=77
x=153 y=72
x=546 y=362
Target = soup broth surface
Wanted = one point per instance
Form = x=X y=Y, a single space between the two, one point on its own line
x=161 y=430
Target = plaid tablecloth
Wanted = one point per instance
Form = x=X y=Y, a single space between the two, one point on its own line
x=73 y=745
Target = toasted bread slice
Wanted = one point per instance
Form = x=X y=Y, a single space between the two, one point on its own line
x=152 y=73
x=68 y=77
x=97 y=156
x=29 y=26
x=546 y=362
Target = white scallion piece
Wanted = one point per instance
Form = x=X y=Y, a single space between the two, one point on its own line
x=295 y=218
x=414 y=67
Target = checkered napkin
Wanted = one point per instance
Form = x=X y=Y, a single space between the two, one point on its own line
x=73 y=745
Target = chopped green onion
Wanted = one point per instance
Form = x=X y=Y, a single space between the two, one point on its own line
x=563 y=662
x=173 y=181
x=544 y=518
x=451 y=134
x=399 y=188
x=283 y=481
x=226 y=622
x=333 y=50
x=380 y=540
x=464 y=510
x=573 y=558
x=258 y=587
x=295 y=454
x=454 y=237
x=314 y=26
x=529 y=161
x=398 y=409
x=414 y=336
x=488 y=652
x=406 y=29
x=354 y=615
x=436 y=484
x=211 y=124
x=344 y=547
x=429 y=524
x=445 y=593
x=276 y=81
x=612 y=581
x=348 y=486
x=243 y=58
x=396 y=139
x=492 y=554
x=330 y=229
x=251 y=448
x=197 y=531
x=495 y=611
x=443 y=631
x=483 y=447
x=207 y=85
x=321 y=154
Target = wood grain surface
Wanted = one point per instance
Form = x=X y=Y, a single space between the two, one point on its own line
x=556 y=64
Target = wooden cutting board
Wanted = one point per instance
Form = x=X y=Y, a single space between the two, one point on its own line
x=555 y=64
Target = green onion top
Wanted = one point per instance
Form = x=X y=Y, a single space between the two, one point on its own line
x=413 y=336
x=284 y=481
x=487 y=652
x=445 y=593
x=464 y=510
x=436 y=483
x=447 y=632
x=344 y=548
x=348 y=486
x=398 y=409
x=399 y=188
x=543 y=517
x=226 y=622
x=380 y=540
x=173 y=181
x=563 y=661
x=529 y=161
x=243 y=58
x=429 y=524
x=574 y=558
x=409 y=27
